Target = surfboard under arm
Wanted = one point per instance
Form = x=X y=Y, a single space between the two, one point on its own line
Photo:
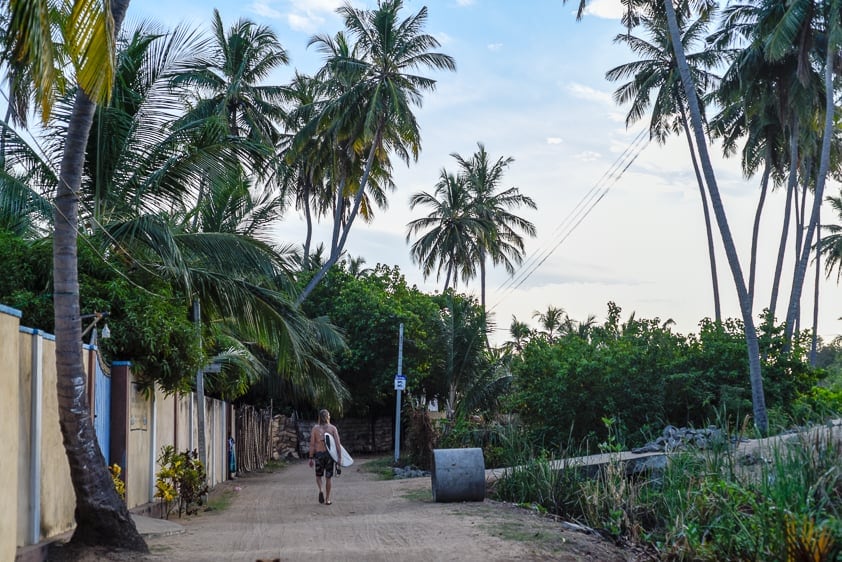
x=347 y=460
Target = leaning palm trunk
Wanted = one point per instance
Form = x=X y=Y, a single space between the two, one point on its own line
x=790 y=192
x=758 y=399
x=341 y=231
x=755 y=231
x=717 y=309
x=101 y=516
x=814 y=344
x=824 y=166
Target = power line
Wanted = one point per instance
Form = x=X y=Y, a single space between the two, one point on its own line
x=579 y=212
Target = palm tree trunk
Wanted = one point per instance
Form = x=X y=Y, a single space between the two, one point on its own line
x=308 y=238
x=340 y=236
x=482 y=280
x=717 y=309
x=824 y=166
x=790 y=192
x=755 y=231
x=814 y=344
x=761 y=419
x=101 y=516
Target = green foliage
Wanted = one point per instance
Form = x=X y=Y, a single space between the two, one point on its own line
x=155 y=334
x=642 y=375
x=704 y=506
x=369 y=310
x=474 y=431
x=147 y=320
x=182 y=481
x=28 y=286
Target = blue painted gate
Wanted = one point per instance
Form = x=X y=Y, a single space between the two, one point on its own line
x=102 y=406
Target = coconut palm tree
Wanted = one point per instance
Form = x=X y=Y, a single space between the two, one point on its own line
x=101 y=516
x=552 y=321
x=449 y=234
x=758 y=397
x=377 y=111
x=831 y=246
x=501 y=238
x=228 y=83
x=697 y=127
x=655 y=73
x=520 y=333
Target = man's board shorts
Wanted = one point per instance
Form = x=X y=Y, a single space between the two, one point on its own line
x=324 y=464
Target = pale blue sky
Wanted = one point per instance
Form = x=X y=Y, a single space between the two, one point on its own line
x=530 y=84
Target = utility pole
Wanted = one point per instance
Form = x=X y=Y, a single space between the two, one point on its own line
x=400 y=384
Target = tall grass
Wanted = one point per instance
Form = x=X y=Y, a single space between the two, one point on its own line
x=783 y=502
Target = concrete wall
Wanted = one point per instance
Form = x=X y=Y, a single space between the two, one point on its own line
x=35 y=484
x=9 y=430
x=139 y=448
x=57 y=498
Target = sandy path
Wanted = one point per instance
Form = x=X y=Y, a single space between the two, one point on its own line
x=277 y=516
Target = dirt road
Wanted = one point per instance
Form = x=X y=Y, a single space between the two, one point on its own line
x=277 y=516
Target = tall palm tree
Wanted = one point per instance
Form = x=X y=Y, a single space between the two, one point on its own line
x=377 y=111
x=228 y=83
x=501 y=238
x=552 y=321
x=449 y=234
x=831 y=249
x=779 y=96
x=520 y=333
x=758 y=397
x=101 y=516
x=666 y=7
x=301 y=172
x=655 y=72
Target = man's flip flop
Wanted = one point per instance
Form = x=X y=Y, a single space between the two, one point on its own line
x=322 y=498
x=329 y=502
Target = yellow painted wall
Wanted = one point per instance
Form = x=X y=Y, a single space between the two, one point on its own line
x=9 y=431
x=57 y=497
x=140 y=432
x=58 y=501
x=24 y=399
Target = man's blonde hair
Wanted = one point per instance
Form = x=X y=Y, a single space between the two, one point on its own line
x=323 y=415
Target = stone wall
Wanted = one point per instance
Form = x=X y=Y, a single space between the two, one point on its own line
x=291 y=436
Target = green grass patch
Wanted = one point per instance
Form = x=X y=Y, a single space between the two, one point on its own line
x=420 y=495
x=381 y=466
x=517 y=531
x=273 y=466
x=220 y=502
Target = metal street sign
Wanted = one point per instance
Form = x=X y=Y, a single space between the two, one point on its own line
x=400 y=382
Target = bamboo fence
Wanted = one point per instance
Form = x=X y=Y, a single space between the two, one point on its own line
x=254 y=438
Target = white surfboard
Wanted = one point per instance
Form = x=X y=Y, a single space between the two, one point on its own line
x=331 y=449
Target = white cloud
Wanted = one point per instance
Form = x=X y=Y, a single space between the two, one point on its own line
x=588 y=156
x=308 y=16
x=587 y=93
x=495 y=46
x=464 y=2
x=554 y=140
x=262 y=8
x=606 y=9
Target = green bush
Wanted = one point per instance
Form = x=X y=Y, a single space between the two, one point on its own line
x=182 y=481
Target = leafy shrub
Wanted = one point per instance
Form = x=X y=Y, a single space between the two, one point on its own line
x=182 y=481
x=119 y=485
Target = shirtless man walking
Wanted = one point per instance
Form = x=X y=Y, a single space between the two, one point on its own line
x=319 y=455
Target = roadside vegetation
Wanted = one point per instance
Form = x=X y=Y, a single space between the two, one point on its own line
x=165 y=157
